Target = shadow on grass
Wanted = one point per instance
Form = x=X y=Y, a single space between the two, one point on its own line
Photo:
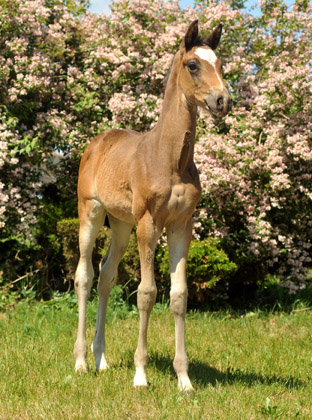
x=204 y=375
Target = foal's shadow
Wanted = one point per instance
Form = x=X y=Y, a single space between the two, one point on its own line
x=204 y=375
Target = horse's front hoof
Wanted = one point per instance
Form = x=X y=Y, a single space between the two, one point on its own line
x=81 y=367
x=140 y=379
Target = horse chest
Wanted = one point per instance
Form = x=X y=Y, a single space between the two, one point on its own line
x=179 y=199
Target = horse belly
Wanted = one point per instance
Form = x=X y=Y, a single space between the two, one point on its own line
x=113 y=178
x=116 y=197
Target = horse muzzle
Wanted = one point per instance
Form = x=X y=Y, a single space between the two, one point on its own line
x=218 y=103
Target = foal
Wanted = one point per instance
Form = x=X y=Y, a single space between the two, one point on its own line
x=148 y=179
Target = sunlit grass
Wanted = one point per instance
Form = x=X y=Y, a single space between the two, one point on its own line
x=251 y=366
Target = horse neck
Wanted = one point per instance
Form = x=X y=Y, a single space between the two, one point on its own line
x=176 y=119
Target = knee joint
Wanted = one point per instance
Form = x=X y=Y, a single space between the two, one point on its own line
x=83 y=282
x=146 y=298
x=178 y=301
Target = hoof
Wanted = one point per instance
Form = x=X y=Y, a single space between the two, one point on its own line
x=103 y=366
x=81 y=367
x=189 y=391
x=100 y=361
x=185 y=386
x=140 y=379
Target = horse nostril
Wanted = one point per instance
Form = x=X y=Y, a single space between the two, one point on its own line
x=220 y=103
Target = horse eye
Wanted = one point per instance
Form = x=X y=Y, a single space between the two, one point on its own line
x=192 y=66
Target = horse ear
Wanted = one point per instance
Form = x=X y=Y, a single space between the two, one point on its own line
x=191 y=36
x=213 y=39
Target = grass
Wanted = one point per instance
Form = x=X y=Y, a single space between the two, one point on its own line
x=252 y=366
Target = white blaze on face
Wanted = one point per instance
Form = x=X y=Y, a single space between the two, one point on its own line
x=209 y=56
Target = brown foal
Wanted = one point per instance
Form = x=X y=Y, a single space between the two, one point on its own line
x=148 y=179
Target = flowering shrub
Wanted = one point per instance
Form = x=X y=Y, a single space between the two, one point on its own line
x=67 y=74
x=256 y=167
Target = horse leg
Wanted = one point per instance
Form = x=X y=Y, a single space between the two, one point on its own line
x=91 y=215
x=147 y=234
x=108 y=274
x=179 y=238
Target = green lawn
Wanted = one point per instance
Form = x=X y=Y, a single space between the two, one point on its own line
x=252 y=366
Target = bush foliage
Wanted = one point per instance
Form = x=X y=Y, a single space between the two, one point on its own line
x=207 y=265
x=67 y=74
